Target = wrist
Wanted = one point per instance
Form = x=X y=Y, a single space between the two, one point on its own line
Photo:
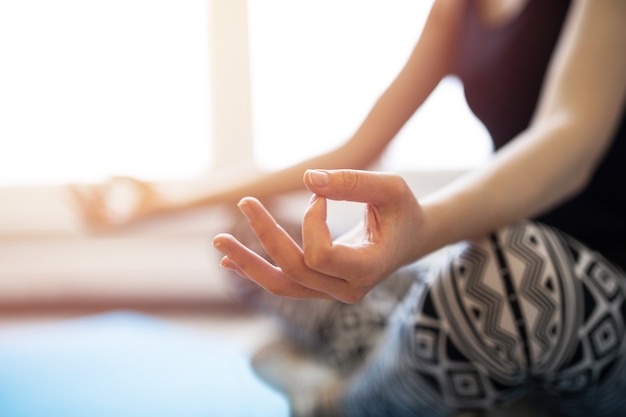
x=437 y=228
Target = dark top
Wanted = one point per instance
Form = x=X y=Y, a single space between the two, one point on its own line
x=502 y=70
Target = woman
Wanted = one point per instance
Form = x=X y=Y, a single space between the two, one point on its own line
x=517 y=306
x=535 y=307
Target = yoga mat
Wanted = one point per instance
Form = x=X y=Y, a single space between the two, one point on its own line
x=127 y=364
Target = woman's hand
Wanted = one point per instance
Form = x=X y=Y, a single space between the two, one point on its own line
x=114 y=203
x=345 y=269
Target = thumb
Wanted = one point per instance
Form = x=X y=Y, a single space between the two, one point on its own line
x=354 y=185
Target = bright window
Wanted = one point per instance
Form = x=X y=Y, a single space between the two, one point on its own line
x=121 y=87
x=90 y=89
x=184 y=90
x=318 y=67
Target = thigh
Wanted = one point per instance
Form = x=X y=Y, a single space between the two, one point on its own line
x=525 y=309
x=591 y=378
x=538 y=311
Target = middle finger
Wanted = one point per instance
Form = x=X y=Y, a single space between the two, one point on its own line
x=285 y=252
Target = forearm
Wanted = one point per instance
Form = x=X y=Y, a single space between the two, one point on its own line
x=362 y=150
x=543 y=167
x=266 y=185
x=428 y=64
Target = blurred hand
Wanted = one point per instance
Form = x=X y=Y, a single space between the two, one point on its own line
x=114 y=203
x=347 y=268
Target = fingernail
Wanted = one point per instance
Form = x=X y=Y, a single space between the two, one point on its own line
x=225 y=263
x=313 y=199
x=318 y=178
x=244 y=207
x=216 y=241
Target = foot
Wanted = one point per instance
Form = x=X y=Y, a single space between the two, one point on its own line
x=311 y=387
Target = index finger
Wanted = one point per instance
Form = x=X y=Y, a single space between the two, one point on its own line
x=252 y=266
x=286 y=253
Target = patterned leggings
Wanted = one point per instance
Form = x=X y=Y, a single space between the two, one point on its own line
x=527 y=311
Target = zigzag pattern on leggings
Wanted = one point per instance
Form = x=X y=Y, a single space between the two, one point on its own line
x=528 y=309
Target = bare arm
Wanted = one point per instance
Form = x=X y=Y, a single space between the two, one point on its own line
x=428 y=64
x=582 y=100
x=552 y=160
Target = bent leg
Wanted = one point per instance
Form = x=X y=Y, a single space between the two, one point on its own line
x=591 y=379
x=340 y=335
x=499 y=318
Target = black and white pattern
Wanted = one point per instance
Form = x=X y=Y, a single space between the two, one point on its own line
x=337 y=334
x=528 y=311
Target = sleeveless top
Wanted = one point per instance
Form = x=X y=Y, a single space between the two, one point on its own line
x=502 y=70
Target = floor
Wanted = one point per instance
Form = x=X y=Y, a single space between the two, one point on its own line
x=246 y=330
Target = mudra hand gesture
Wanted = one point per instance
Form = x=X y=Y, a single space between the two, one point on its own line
x=347 y=268
x=117 y=202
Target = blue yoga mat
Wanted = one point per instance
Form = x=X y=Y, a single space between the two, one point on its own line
x=126 y=364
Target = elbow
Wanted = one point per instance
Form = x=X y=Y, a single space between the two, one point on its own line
x=587 y=162
x=581 y=146
x=577 y=178
x=580 y=181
